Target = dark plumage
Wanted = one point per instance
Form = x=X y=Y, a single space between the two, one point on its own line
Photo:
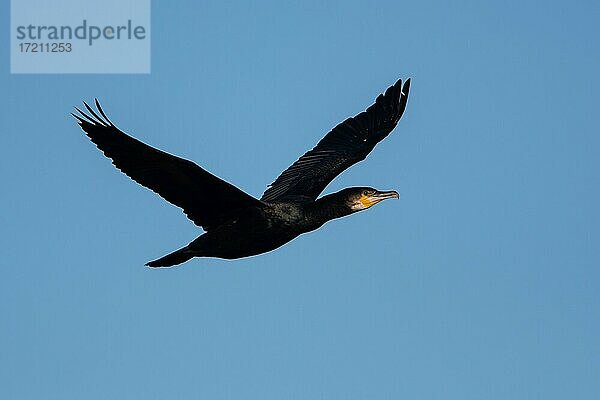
x=237 y=224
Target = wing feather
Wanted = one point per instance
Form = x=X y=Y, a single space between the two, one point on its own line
x=345 y=145
x=206 y=199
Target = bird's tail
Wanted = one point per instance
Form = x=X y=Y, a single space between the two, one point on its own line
x=174 y=258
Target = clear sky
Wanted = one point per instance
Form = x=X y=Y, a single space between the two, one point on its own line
x=481 y=282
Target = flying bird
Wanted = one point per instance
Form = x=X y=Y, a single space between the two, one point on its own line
x=236 y=224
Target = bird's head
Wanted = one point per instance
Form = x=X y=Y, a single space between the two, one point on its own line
x=361 y=198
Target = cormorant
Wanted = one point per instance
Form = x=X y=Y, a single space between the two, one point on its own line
x=236 y=224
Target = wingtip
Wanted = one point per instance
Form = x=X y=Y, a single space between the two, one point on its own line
x=93 y=118
x=79 y=120
x=102 y=112
x=82 y=117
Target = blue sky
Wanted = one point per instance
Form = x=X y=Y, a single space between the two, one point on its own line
x=482 y=281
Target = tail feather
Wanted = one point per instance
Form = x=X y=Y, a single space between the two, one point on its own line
x=174 y=258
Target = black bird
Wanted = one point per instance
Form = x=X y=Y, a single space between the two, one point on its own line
x=237 y=224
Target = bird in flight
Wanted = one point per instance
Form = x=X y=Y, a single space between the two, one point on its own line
x=236 y=224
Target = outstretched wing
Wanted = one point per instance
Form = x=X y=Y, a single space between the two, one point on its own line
x=346 y=144
x=204 y=198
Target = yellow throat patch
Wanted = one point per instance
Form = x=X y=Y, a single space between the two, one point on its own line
x=368 y=201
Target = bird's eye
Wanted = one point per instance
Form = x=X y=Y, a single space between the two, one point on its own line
x=366 y=193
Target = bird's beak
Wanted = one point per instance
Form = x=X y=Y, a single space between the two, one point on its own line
x=392 y=194
x=376 y=197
